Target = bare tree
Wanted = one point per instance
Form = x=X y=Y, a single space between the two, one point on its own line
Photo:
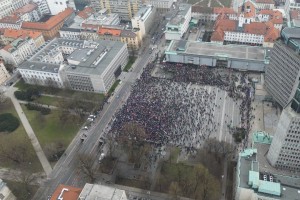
x=86 y=165
x=16 y=150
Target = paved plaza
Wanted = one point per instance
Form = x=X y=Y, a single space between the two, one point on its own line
x=179 y=110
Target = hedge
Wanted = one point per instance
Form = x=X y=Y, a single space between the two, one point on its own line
x=8 y=122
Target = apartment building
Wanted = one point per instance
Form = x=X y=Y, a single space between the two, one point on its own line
x=77 y=64
x=4 y=75
x=57 y=6
x=265 y=4
x=209 y=14
x=283 y=72
x=11 y=22
x=10 y=35
x=18 y=50
x=125 y=8
x=144 y=19
x=162 y=6
x=51 y=27
x=178 y=25
x=28 y=12
x=42 y=6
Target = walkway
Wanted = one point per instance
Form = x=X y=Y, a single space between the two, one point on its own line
x=35 y=143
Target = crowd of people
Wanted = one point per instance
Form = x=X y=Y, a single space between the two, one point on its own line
x=179 y=110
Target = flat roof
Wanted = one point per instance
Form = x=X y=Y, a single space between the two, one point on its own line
x=179 y=17
x=88 y=57
x=262 y=137
x=213 y=49
x=101 y=192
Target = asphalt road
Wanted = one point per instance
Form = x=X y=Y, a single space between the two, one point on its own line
x=67 y=171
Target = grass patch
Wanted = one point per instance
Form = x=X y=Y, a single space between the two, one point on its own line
x=18 y=134
x=49 y=128
x=113 y=87
x=19 y=191
x=21 y=85
x=129 y=64
x=201 y=3
x=215 y=3
x=47 y=100
x=229 y=181
x=226 y=3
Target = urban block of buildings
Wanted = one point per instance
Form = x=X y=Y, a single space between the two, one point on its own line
x=18 y=50
x=126 y=9
x=144 y=19
x=162 y=6
x=88 y=192
x=240 y=57
x=76 y=64
x=179 y=23
x=51 y=27
x=249 y=26
x=9 y=35
x=257 y=179
x=4 y=75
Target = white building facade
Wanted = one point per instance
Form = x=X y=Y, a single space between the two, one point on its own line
x=177 y=26
x=4 y=75
x=17 y=51
x=144 y=19
x=57 y=6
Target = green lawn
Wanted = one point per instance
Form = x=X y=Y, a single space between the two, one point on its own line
x=129 y=64
x=21 y=85
x=226 y=3
x=19 y=191
x=49 y=129
x=113 y=87
x=201 y=2
x=18 y=134
x=48 y=100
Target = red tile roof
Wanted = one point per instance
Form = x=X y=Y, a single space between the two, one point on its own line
x=221 y=25
x=266 y=29
x=275 y=16
x=109 y=31
x=51 y=23
x=225 y=10
x=10 y=19
x=27 y=8
x=86 y=12
x=249 y=10
x=13 y=33
x=66 y=192
x=265 y=1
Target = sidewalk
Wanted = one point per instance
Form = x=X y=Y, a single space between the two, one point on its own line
x=35 y=143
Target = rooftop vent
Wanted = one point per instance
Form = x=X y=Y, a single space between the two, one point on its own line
x=31 y=66
x=55 y=69
x=44 y=67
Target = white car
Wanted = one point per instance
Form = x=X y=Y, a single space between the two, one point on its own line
x=90 y=119
x=102 y=155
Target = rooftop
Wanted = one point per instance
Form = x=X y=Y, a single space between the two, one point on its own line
x=10 y=19
x=143 y=12
x=265 y=1
x=101 y=192
x=99 y=19
x=65 y=192
x=14 y=33
x=26 y=9
x=14 y=45
x=51 y=22
x=86 y=12
x=87 y=57
x=180 y=15
x=202 y=9
x=224 y=10
x=213 y=49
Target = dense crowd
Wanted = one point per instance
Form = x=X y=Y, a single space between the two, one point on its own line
x=178 y=110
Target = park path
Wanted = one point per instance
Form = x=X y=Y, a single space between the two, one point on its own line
x=34 y=141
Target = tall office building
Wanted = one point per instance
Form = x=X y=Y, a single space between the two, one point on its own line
x=283 y=72
x=125 y=8
x=282 y=80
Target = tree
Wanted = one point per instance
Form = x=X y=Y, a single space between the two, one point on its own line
x=16 y=150
x=86 y=162
x=133 y=139
x=8 y=122
x=2 y=96
x=175 y=190
x=111 y=144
